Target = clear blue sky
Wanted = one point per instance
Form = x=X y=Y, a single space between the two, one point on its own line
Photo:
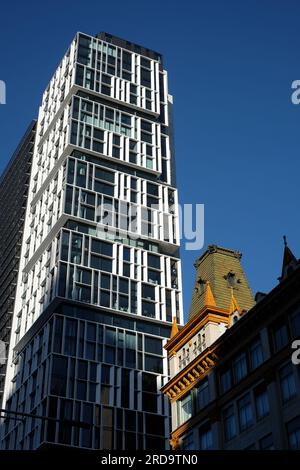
x=231 y=64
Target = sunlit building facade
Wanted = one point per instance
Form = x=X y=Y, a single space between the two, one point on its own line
x=234 y=384
x=100 y=275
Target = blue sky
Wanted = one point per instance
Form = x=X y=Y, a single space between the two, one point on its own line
x=231 y=64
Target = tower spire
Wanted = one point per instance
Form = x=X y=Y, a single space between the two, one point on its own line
x=289 y=261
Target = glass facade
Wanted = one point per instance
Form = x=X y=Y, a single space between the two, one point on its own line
x=99 y=382
x=101 y=275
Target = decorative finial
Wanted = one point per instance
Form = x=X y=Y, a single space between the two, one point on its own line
x=289 y=261
x=175 y=328
x=234 y=306
x=209 y=297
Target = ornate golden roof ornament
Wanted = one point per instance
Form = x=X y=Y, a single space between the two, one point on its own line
x=234 y=306
x=209 y=297
x=175 y=328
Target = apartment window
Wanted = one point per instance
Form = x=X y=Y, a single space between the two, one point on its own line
x=148 y=292
x=188 y=442
x=225 y=380
x=101 y=262
x=104 y=175
x=293 y=431
x=153 y=345
x=149 y=163
x=153 y=261
x=229 y=423
x=266 y=443
x=70 y=337
x=296 y=323
x=87 y=198
x=280 y=336
x=154 y=276
x=202 y=395
x=287 y=383
x=149 y=392
x=146 y=132
x=116 y=152
x=130 y=350
x=76 y=248
x=148 y=309
x=256 y=354
x=261 y=402
x=126 y=263
x=133 y=94
x=185 y=408
x=174 y=274
x=245 y=412
x=58 y=375
x=62 y=279
x=205 y=438
x=116 y=146
x=240 y=367
x=82 y=293
x=65 y=430
x=126 y=75
x=83 y=276
x=104 y=298
x=153 y=364
x=57 y=340
x=126 y=60
x=81 y=174
x=69 y=198
x=87 y=418
x=146 y=77
x=145 y=63
x=106 y=79
x=133 y=297
x=152 y=201
x=154 y=424
x=97 y=146
x=132 y=151
x=104 y=188
x=65 y=243
x=152 y=189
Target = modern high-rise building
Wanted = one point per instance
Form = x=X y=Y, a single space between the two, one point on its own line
x=99 y=277
x=14 y=185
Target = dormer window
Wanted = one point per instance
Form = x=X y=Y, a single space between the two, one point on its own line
x=231 y=279
x=200 y=287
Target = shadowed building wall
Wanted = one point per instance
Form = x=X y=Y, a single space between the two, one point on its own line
x=13 y=197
